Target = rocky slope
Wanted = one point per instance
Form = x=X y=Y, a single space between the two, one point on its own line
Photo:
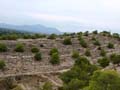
x=22 y=70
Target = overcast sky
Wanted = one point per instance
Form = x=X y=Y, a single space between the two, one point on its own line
x=67 y=15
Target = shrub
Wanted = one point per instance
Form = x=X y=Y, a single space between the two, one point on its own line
x=75 y=54
x=95 y=32
x=10 y=83
x=47 y=86
x=103 y=52
x=83 y=43
x=97 y=43
x=55 y=59
x=67 y=41
x=52 y=36
x=87 y=53
x=110 y=45
x=2 y=64
x=86 y=33
x=34 y=50
x=104 y=80
x=115 y=59
x=73 y=35
x=26 y=36
x=103 y=62
x=82 y=60
x=3 y=47
x=93 y=38
x=33 y=36
x=39 y=35
x=80 y=33
x=18 y=87
x=38 y=56
x=106 y=33
x=79 y=37
x=66 y=34
x=79 y=75
x=19 y=47
x=13 y=37
x=9 y=37
x=74 y=84
x=116 y=35
x=53 y=50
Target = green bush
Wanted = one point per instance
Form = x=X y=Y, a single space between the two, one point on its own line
x=97 y=43
x=115 y=59
x=73 y=35
x=79 y=37
x=74 y=84
x=75 y=54
x=27 y=36
x=53 y=50
x=12 y=37
x=34 y=49
x=95 y=32
x=83 y=43
x=116 y=35
x=66 y=34
x=110 y=45
x=34 y=36
x=106 y=33
x=67 y=41
x=93 y=38
x=55 y=59
x=104 y=80
x=47 y=86
x=79 y=75
x=103 y=62
x=3 y=47
x=82 y=60
x=52 y=36
x=87 y=52
x=103 y=52
x=38 y=56
x=39 y=35
x=19 y=47
x=2 y=64
x=80 y=33
x=86 y=33
x=9 y=37
x=18 y=87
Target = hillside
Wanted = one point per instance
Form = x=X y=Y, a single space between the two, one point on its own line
x=31 y=28
x=5 y=31
x=23 y=71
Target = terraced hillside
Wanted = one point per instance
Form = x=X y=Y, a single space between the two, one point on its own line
x=23 y=70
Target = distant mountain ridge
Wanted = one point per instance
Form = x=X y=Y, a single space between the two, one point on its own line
x=31 y=28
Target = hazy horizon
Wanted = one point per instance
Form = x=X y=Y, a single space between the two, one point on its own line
x=66 y=15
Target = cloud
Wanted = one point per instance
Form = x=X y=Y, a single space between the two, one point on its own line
x=103 y=13
x=53 y=17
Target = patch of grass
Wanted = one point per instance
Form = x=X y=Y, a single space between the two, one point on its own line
x=2 y=64
x=34 y=50
x=19 y=47
x=38 y=56
x=3 y=47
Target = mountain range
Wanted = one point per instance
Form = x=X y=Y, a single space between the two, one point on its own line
x=31 y=28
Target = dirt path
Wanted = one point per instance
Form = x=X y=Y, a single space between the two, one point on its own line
x=43 y=75
x=34 y=73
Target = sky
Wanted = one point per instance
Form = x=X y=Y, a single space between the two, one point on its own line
x=66 y=15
